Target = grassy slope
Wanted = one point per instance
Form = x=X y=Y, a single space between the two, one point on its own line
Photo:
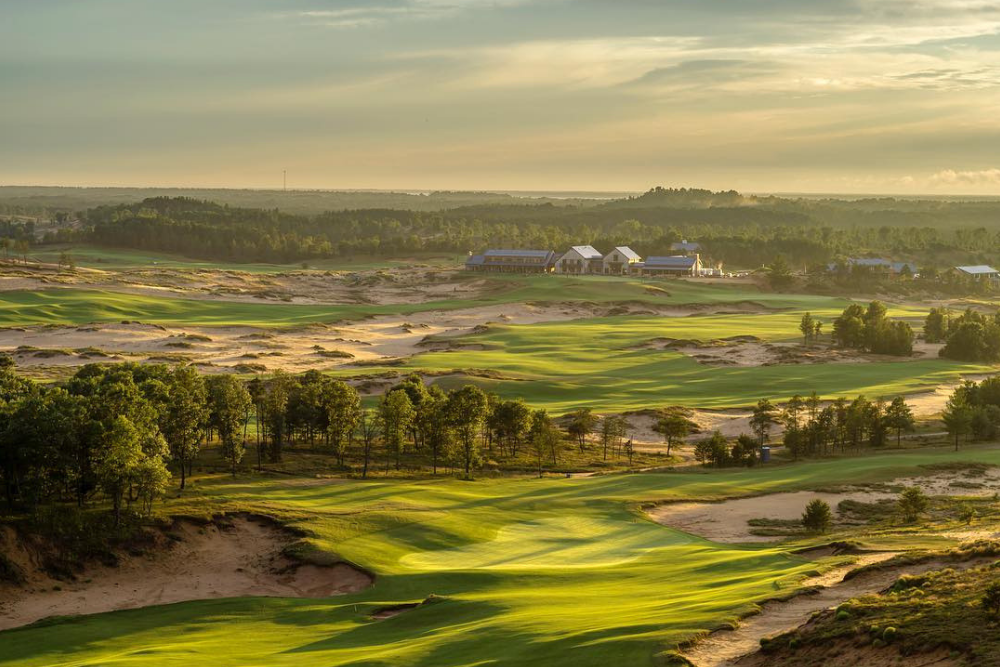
x=554 y=572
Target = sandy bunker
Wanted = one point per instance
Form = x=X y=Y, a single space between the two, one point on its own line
x=727 y=520
x=242 y=557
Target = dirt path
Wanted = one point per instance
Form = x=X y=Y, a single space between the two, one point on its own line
x=723 y=648
x=200 y=562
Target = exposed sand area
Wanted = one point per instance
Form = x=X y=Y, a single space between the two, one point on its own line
x=241 y=558
x=726 y=521
x=742 y=352
x=413 y=285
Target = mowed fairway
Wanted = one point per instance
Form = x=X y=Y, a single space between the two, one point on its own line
x=83 y=306
x=528 y=572
x=603 y=362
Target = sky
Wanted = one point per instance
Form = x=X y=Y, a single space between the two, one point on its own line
x=839 y=96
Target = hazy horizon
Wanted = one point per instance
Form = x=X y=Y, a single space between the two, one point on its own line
x=855 y=97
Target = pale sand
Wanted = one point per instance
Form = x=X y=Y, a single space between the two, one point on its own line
x=208 y=562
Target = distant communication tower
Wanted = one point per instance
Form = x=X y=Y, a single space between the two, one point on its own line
x=284 y=180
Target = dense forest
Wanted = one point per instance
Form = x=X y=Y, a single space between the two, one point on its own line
x=738 y=230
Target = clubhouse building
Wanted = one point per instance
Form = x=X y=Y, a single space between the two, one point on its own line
x=585 y=260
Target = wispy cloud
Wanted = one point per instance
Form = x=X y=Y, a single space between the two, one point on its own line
x=977 y=178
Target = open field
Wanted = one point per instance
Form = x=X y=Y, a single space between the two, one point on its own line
x=553 y=571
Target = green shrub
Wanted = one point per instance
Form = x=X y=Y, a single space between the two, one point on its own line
x=817 y=517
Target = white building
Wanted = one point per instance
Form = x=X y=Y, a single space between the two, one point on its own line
x=620 y=261
x=580 y=259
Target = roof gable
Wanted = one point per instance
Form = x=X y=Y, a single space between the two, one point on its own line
x=587 y=251
x=628 y=253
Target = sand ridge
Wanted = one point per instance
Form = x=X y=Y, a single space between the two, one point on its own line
x=242 y=556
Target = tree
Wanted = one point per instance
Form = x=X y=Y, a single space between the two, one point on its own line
x=511 y=420
x=369 y=427
x=229 y=402
x=957 y=417
x=275 y=400
x=807 y=325
x=342 y=406
x=985 y=423
x=817 y=516
x=437 y=425
x=582 y=423
x=745 y=451
x=22 y=246
x=763 y=418
x=674 y=428
x=543 y=436
x=912 y=503
x=467 y=410
x=258 y=393
x=396 y=413
x=66 y=260
x=713 y=450
x=936 y=325
x=613 y=428
x=185 y=416
x=129 y=458
x=899 y=416
x=779 y=275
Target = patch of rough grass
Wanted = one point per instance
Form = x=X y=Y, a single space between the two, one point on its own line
x=933 y=612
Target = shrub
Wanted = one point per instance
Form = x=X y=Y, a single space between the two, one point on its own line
x=912 y=503
x=817 y=517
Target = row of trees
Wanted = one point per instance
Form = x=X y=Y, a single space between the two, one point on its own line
x=812 y=429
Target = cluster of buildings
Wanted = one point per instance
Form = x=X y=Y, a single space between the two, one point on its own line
x=909 y=269
x=587 y=260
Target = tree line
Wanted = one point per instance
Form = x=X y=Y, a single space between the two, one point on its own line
x=732 y=228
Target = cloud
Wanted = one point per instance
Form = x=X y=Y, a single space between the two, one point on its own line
x=373 y=13
x=950 y=178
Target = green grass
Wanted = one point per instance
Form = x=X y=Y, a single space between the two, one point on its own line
x=599 y=362
x=100 y=257
x=82 y=306
x=553 y=572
